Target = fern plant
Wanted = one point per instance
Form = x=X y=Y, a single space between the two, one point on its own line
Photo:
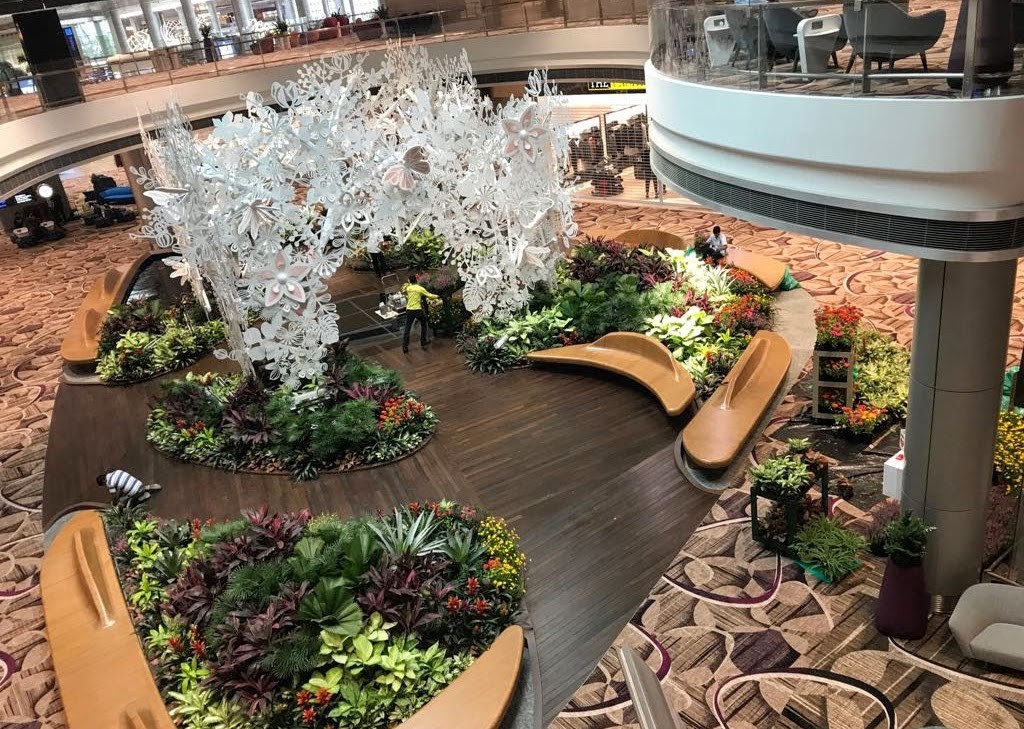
x=825 y=545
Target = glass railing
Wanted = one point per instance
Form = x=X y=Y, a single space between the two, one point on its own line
x=24 y=94
x=862 y=47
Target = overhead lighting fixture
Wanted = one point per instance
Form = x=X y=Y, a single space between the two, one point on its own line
x=44 y=191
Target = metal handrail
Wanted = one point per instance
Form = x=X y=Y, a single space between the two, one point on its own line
x=391 y=30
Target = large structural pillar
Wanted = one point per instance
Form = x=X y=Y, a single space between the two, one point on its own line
x=961 y=331
x=243 y=14
x=153 y=24
x=302 y=6
x=117 y=28
x=188 y=12
x=214 y=16
x=136 y=158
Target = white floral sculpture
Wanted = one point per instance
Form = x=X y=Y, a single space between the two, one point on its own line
x=271 y=205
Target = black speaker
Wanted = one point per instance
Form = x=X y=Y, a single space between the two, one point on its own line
x=49 y=57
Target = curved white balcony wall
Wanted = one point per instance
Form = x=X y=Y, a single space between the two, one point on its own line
x=36 y=139
x=943 y=159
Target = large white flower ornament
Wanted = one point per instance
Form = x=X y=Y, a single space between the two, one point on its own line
x=253 y=215
x=284 y=279
x=524 y=135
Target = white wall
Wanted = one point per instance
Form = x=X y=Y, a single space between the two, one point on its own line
x=939 y=158
x=34 y=139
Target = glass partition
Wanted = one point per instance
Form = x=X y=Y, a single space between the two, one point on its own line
x=944 y=49
x=232 y=52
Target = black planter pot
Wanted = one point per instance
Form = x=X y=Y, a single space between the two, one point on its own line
x=902 y=610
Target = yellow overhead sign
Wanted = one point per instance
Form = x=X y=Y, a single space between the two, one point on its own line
x=617 y=86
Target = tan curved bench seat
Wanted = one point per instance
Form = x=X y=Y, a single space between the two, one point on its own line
x=636 y=356
x=641 y=238
x=105 y=681
x=480 y=696
x=716 y=434
x=81 y=342
x=766 y=270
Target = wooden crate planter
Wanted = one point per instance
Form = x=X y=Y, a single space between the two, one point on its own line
x=845 y=386
x=792 y=506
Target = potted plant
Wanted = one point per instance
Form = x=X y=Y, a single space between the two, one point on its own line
x=837 y=329
x=783 y=480
x=902 y=610
x=372 y=29
x=861 y=421
x=827 y=550
x=282 y=38
x=209 y=49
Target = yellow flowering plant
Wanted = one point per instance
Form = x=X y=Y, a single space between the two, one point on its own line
x=507 y=564
x=1009 y=455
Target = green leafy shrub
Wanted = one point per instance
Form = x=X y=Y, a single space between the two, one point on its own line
x=355 y=414
x=781 y=475
x=882 y=373
x=906 y=538
x=142 y=340
x=824 y=544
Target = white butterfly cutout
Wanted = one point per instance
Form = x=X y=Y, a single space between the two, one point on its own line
x=414 y=162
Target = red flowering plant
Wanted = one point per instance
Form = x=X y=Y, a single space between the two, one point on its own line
x=833 y=369
x=837 y=326
x=744 y=282
x=749 y=313
x=861 y=419
x=831 y=399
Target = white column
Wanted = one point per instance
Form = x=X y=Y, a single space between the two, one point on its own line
x=191 y=21
x=243 y=14
x=302 y=6
x=293 y=11
x=153 y=24
x=214 y=16
x=329 y=7
x=117 y=27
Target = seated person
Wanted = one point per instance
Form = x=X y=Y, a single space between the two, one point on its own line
x=715 y=246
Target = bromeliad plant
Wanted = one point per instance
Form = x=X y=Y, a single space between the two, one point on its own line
x=282 y=621
x=356 y=414
x=142 y=339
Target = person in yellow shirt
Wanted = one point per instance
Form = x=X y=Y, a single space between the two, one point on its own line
x=415 y=310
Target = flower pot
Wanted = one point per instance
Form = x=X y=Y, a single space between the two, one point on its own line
x=902 y=610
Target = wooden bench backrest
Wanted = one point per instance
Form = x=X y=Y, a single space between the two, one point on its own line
x=744 y=370
x=639 y=344
x=650 y=239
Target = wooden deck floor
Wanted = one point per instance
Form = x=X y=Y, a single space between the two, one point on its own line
x=581 y=464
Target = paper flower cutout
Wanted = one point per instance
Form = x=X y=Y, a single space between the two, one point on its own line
x=523 y=135
x=284 y=280
x=414 y=162
x=253 y=215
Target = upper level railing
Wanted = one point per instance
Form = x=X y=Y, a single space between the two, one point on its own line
x=861 y=47
x=25 y=94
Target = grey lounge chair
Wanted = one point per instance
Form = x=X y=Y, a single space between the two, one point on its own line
x=890 y=33
x=744 y=26
x=994 y=53
x=781 y=24
x=988 y=624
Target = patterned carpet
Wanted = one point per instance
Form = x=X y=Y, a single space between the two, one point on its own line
x=40 y=288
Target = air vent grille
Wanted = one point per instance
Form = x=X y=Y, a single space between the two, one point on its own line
x=870 y=227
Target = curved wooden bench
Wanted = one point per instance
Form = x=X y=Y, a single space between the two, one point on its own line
x=480 y=696
x=81 y=342
x=642 y=238
x=105 y=681
x=766 y=270
x=636 y=356
x=104 y=678
x=715 y=435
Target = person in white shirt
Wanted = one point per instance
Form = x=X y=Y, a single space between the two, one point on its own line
x=717 y=244
x=126 y=489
